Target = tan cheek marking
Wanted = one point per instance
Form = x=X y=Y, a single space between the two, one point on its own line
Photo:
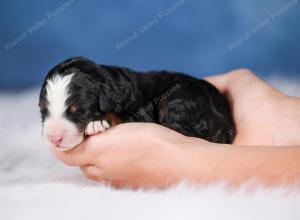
x=113 y=118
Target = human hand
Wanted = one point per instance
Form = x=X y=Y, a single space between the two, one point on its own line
x=133 y=155
x=262 y=115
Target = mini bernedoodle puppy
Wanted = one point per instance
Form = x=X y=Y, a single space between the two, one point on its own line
x=80 y=97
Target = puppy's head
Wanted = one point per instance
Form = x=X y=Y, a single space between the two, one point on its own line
x=69 y=100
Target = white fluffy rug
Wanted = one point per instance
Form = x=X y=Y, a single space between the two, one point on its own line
x=35 y=186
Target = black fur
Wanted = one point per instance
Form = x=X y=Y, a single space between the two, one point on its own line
x=190 y=106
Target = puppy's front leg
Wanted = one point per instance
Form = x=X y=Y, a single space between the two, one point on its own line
x=108 y=120
x=95 y=127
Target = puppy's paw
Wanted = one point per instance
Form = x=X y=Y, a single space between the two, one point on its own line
x=95 y=127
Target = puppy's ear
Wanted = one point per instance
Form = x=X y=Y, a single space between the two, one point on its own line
x=106 y=102
x=114 y=100
x=123 y=98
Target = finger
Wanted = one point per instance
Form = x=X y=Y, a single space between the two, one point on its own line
x=77 y=156
x=94 y=173
x=91 y=171
x=219 y=81
x=97 y=174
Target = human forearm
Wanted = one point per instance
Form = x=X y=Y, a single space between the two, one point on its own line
x=239 y=164
x=149 y=155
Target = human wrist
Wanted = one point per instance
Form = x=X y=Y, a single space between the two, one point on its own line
x=200 y=161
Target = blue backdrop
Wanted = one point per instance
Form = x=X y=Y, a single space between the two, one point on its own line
x=192 y=36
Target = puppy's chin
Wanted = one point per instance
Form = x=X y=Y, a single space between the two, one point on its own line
x=66 y=145
x=63 y=148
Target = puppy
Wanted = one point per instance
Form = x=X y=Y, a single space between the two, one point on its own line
x=80 y=97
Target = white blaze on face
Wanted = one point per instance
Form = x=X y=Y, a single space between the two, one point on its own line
x=56 y=124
